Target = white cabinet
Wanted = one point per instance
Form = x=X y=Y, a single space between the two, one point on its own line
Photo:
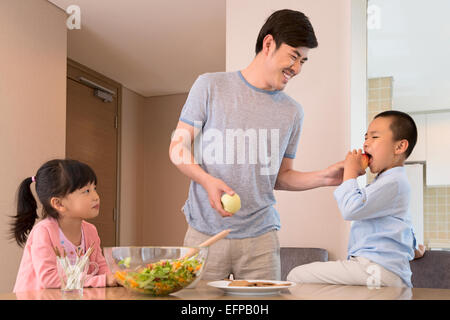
x=415 y=178
x=420 y=150
x=438 y=149
x=433 y=146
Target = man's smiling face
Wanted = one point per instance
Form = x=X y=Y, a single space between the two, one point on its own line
x=284 y=63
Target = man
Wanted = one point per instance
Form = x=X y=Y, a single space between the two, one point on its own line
x=248 y=106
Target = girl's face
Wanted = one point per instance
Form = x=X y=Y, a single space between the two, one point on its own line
x=83 y=203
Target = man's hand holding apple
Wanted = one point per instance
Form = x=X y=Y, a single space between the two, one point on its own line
x=216 y=188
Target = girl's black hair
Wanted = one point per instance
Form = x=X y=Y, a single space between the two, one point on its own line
x=290 y=27
x=55 y=178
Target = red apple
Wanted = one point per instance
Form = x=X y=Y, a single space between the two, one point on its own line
x=364 y=161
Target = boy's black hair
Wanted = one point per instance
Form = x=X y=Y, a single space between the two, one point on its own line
x=55 y=178
x=402 y=127
x=290 y=27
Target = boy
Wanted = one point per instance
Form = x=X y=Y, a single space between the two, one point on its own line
x=381 y=240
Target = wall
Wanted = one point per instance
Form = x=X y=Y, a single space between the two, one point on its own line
x=436 y=217
x=379 y=100
x=309 y=218
x=33 y=54
x=152 y=189
x=166 y=188
x=380 y=96
x=132 y=168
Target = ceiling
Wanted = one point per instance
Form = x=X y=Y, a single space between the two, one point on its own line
x=153 y=47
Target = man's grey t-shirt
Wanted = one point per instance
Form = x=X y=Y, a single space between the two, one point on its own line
x=244 y=133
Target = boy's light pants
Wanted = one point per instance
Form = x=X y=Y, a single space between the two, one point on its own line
x=357 y=271
x=255 y=258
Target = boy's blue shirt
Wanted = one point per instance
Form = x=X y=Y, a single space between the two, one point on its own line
x=382 y=229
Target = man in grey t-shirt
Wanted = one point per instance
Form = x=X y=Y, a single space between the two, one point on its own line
x=245 y=131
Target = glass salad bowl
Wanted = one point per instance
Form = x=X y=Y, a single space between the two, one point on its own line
x=156 y=271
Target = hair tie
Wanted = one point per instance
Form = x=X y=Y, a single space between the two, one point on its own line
x=33 y=178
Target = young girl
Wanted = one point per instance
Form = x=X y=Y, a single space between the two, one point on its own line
x=67 y=192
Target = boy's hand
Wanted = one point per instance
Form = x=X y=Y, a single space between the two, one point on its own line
x=215 y=188
x=420 y=252
x=352 y=165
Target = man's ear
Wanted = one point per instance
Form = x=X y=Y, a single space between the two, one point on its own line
x=57 y=204
x=401 y=146
x=268 y=41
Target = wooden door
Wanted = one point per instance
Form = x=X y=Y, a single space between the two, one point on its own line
x=92 y=137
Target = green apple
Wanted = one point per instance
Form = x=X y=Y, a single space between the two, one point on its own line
x=232 y=203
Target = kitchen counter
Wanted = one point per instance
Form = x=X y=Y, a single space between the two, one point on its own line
x=205 y=292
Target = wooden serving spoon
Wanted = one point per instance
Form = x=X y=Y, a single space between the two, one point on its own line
x=207 y=243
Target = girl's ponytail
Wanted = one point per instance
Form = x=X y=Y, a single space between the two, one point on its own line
x=26 y=213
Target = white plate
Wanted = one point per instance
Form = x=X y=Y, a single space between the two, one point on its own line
x=250 y=291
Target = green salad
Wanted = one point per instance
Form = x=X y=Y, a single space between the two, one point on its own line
x=159 y=278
